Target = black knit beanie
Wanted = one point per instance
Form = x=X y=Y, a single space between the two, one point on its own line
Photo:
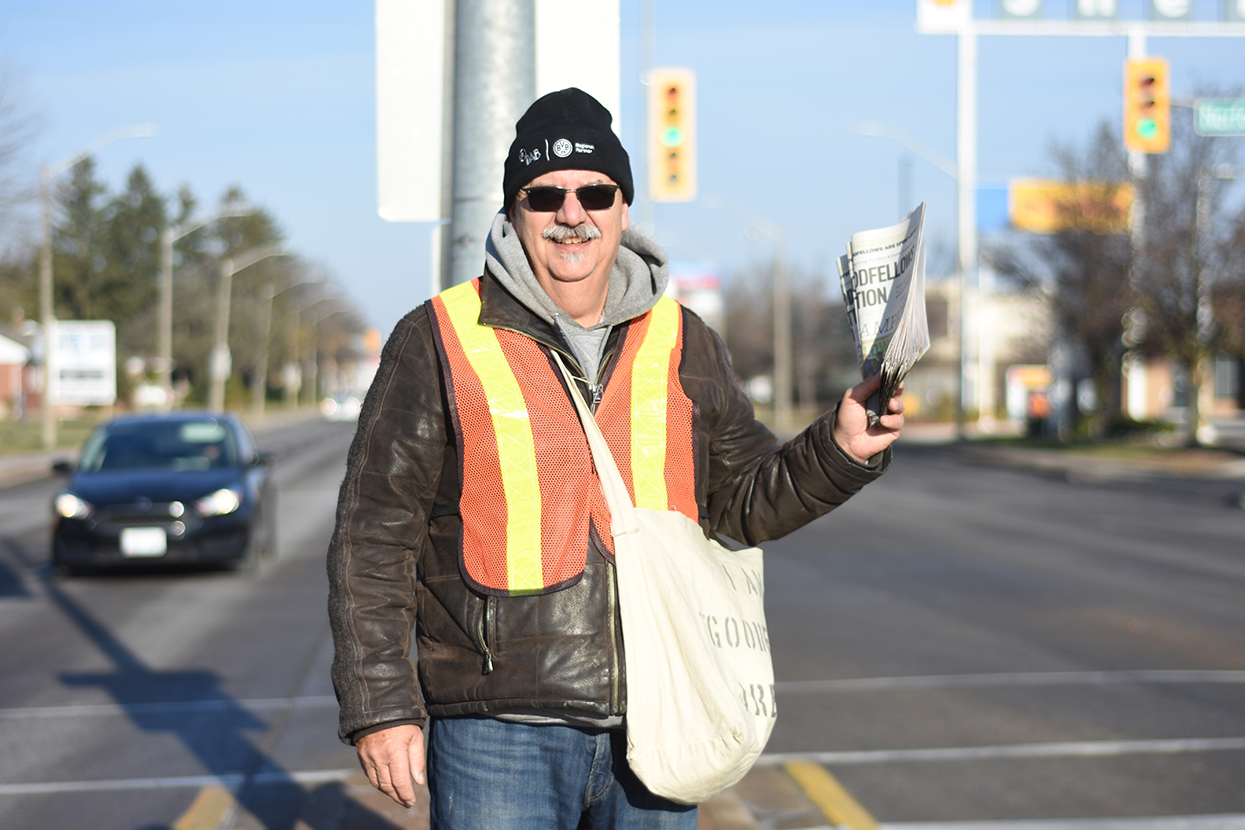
x=566 y=130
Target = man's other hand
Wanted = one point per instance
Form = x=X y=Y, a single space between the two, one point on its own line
x=851 y=428
x=391 y=758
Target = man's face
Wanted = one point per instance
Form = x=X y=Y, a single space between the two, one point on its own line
x=570 y=245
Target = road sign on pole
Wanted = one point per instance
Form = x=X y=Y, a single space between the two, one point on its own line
x=1219 y=116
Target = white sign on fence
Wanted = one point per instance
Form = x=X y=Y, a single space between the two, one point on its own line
x=84 y=362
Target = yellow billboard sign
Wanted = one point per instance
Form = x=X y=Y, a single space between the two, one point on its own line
x=1048 y=206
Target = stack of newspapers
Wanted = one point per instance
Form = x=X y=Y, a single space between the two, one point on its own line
x=883 y=281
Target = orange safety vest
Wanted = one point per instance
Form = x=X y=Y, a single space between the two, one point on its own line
x=530 y=493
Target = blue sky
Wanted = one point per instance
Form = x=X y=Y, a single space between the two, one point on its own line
x=279 y=97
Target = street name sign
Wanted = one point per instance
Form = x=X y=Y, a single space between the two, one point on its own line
x=1219 y=116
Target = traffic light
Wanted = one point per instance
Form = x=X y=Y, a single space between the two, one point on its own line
x=672 y=135
x=1147 y=105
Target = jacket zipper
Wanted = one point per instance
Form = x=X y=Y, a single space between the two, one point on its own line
x=485 y=617
x=596 y=391
x=615 y=667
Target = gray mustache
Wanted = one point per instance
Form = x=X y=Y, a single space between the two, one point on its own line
x=579 y=233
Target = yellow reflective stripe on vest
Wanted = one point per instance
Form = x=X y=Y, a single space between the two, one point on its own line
x=649 y=379
x=515 y=446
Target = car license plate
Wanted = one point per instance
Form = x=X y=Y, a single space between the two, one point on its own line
x=144 y=541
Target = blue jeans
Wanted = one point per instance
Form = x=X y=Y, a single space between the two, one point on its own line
x=484 y=774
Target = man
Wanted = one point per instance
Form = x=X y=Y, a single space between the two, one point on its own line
x=471 y=509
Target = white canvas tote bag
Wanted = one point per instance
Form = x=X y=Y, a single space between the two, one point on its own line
x=700 y=679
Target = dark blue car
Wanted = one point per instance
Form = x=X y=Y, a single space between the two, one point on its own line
x=168 y=488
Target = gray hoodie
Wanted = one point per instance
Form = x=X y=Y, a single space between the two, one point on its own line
x=638 y=279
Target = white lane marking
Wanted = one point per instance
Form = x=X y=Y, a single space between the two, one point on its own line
x=1065 y=749
x=1231 y=821
x=185 y=706
x=230 y=781
x=939 y=681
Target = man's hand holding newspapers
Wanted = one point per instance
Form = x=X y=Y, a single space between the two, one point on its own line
x=852 y=431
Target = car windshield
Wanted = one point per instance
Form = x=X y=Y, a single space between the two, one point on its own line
x=164 y=445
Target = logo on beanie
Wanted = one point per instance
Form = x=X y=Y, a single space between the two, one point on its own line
x=562 y=148
x=527 y=158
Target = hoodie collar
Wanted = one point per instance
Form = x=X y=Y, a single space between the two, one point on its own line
x=638 y=280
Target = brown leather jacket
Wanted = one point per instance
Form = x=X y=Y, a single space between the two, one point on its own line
x=393 y=562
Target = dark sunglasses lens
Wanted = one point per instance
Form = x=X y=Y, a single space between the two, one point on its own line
x=596 y=196
x=545 y=199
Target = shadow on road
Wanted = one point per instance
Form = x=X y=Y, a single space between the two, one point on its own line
x=191 y=705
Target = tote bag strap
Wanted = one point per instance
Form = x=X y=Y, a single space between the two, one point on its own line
x=622 y=510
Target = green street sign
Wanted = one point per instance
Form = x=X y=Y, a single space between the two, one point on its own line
x=1219 y=116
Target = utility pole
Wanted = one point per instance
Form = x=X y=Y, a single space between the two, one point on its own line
x=164 y=322
x=494 y=82
x=220 y=363
x=46 y=174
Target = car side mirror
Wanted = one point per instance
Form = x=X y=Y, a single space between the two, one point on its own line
x=62 y=467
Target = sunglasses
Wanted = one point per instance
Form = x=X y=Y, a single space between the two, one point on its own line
x=549 y=199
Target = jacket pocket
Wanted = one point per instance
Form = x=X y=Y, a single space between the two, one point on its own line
x=486 y=631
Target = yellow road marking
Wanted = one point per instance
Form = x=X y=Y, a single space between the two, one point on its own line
x=835 y=803
x=207 y=810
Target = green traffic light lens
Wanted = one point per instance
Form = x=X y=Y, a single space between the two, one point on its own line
x=1147 y=128
x=672 y=137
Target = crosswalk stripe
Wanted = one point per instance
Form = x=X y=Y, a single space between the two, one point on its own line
x=229 y=781
x=87 y=710
x=942 y=681
x=1066 y=749
x=1211 y=822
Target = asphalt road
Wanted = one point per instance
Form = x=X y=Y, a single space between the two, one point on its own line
x=966 y=642
x=960 y=642
x=125 y=698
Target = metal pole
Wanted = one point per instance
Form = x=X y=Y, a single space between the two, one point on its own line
x=1138 y=169
x=966 y=169
x=494 y=82
x=45 y=304
x=782 y=341
x=442 y=234
x=648 y=50
x=46 y=174
x=259 y=382
x=164 y=348
x=219 y=363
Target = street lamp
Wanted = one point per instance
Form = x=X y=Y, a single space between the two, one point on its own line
x=219 y=364
x=966 y=243
x=782 y=305
x=314 y=360
x=168 y=237
x=46 y=174
x=260 y=380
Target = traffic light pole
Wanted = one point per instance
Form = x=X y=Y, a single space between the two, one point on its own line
x=981 y=391
x=966 y=182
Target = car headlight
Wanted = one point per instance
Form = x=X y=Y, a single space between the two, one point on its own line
x=220 y=503
x=71 y=507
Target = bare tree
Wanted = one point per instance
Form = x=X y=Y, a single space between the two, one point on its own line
x=1082 y=269
x=18 y=128
x=1188 y=247
x=823 y=361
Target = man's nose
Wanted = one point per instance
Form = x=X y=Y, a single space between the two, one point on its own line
x=572 y=212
